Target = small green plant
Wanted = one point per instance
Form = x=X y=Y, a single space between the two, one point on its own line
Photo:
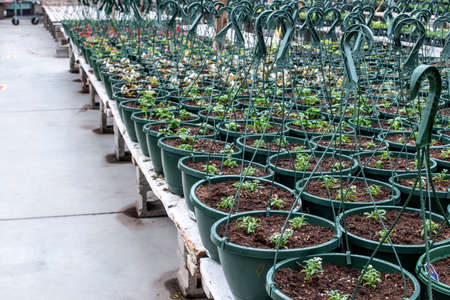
x=382 y=234
x=336 y=295
x=371 y=277
x=298 y=222
x=445 y=154
x=330 y=182
x=228 y=149
x=374 y=190
x=249 y=185
x=441 y=177
x=258 y=143
x=301 y=162
x=374 y=216
x=230 y=162
x=248 y=223
x=340 y=165
x=210 y=169
x=280 y=142
x=348 y=194
x=226 y=202
x=370 y=144
x=313 y=267
x=186 y=147
x=250 y=171
x=276 y=202
x=282 y=239
x=432 y=227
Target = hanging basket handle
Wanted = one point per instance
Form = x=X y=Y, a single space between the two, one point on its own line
x=336 y=21
x=413 y=57
x=420 y=74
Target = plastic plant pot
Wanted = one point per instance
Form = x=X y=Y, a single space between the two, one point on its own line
x=190 y=176
x=246 y=268
x=231 y=135
x=397 y=146
x=206 y=216
x=440 y=290
x=293 y=131
x=262 y=154
x=341 y=259
x=442 y=164
x=289 y=177
x=409 y=254
x=324 y=207
x=317 y=139
x=170 y=157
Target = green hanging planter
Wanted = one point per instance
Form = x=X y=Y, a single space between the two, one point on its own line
x=324 y=207
x=190 y=176
x=246 y=268
x=170 y=157
x=289 y=177
x=340 y=259
x=440 y=290
x=408 y=254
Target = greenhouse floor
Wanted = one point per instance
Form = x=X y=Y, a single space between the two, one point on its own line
x=67 y=221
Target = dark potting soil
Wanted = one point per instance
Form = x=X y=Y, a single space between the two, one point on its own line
x=201 y=145
x=392 y=110
x=249 y=129
x=317 y=187
x=408 y=140
x=437 y=153
x=225 y=170
x=211 y=195
x=306 y=236
x=439 y=185
x=326 y=164
x=193 y=130
x=334 y=277
x=138 y=105
x=397 y=163
x=318 y=129
x=273 y=146
x=385 y=125
x=406 y=232
x=360 y=144
x=237 y=115
x=442 y=268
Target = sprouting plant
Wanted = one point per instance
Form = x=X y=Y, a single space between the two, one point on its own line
x=374 y=190
x=282 y=238
x=330 y=182
x=371 y=277
x=276 y=202
x=374 y=216
x=431 y=226
x=219 y=110
x=445 y=154
x=226 y=202
x=379 y=164
x=250 y=171
x=258 y=143
x=298 y=222
x=186 y=147
x=249 y=185
x=298 y=148
x=230 y=162
x=301 y=162
x=313 y=267
x=385 y=156
x=340 y=165
x=204 y=129
x=370 y=144
x=382 y=234
x=210 y=169
x=280 y=142
x=336 y=295
x=348 y=194
x=228 y=149
x=441 y=177
x=249 y=223
x=184 y=114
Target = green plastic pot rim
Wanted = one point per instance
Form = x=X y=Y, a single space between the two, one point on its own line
x=394 y=181
x=403 y=249
x=326 y=201
x=171 y=149
x=198 y=174
x=383 y=135
x=438 y=286
x=317 y=154
x=236 y=134
x=272 y=288
x=223 y=243
x=210 y=211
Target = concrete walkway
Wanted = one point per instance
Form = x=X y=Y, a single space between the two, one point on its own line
x=67 y=229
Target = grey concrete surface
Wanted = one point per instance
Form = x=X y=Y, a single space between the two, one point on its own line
x=53 y=164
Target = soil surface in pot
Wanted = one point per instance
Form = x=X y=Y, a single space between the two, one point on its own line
x=439 y=153
x=225 y=170
x=409 y=140
x=157 y=105
x=231 y=115
x=439 y=185
x=385 y=124
x=397 y=163
x=442 y=268
x=201 y=145
x=360 y=193
x=250 y=129
x=213 y=194
x=326 y=164
x=315 y=127
x=406 y=232
x=334 y=277
x=192 y=130
x=361 y=143
x=267 y=226
x=274 y=145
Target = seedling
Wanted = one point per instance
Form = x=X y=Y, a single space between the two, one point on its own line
x=374 y=190
x=276 y=202
x=348 y=194
x=336 y=295
x=210 y=169
x=298 y=222
x=249 y=185
x=204 y=129
x=374 y=216
x=282 y=239
x=258 y=143
x=250 y=171
x=184 y=114
x=370 y=144
x=298 y=148
x=301 y=162
x=431 y=227
x=313 y=267
x=226 y=202
x=228 y=149
x=340 y=165
x=280 y=142
x=186 y=147
x=230 y=162
x=382 y=234
x=445 y=154
x=248 y=223
x=330 y=182
x=441 y=177
x=371 y=277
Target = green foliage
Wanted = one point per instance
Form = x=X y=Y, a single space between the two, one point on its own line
x=276 y=202
x=210 y=169
x=249 y=185
x=228 y=149
x=313 y=267
x=248 y=223
x=441 y=177
x=336 y=295
x=186 y=147
x=230 y=162
x=250 y=171
x=348 y=194
x=431 y=227
x=382 y=234
x=298 y=222
x=371 y=277
x=226 y=202
x=374 y=216
x=330 y=182
x=302 y=162
x=445 y=153
x=258 y=143
x=282 y=238
x=374 y=190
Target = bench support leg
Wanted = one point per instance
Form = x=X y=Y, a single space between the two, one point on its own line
x=147 y=204
x=84 y=82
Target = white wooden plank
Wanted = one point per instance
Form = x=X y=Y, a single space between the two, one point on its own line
x=213 y=280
